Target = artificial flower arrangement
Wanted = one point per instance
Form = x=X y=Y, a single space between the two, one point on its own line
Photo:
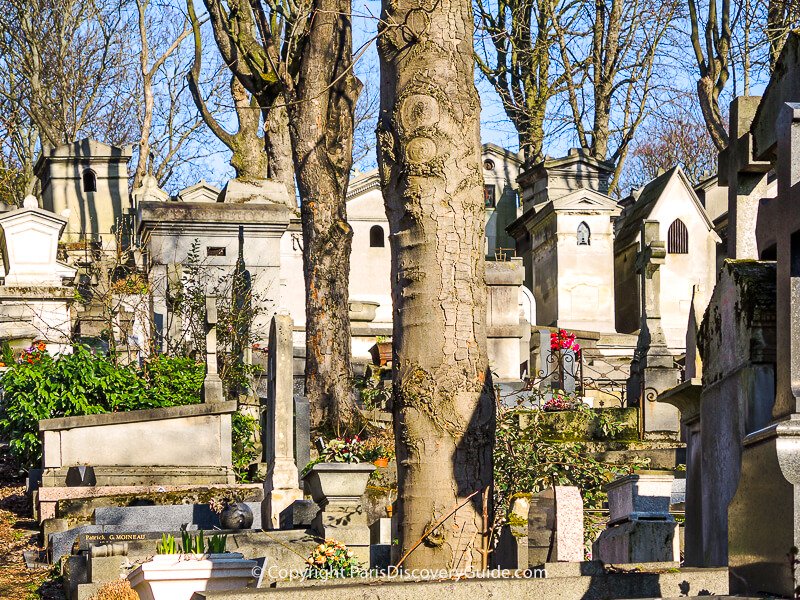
x=558 y=401
x=343 y=450
x=564 y=340
x=331 y=559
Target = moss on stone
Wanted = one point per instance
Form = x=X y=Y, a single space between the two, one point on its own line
x=585 y=425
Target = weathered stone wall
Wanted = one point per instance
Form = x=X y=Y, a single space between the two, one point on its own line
x=737 y=345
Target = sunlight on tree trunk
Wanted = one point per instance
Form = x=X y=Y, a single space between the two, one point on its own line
x=429 y=155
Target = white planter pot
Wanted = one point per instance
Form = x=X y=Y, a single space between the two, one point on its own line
x=337 y=482
x=178 y=576
x=641 y=495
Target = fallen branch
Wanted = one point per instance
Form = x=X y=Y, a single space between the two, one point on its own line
x=435 y=527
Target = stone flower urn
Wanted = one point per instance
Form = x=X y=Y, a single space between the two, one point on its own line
x=236 y=515
x=337 y=482
x=179 y=576
x=362 y=310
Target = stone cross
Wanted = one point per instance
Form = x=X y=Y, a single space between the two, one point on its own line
x=648 y=263
x=212 y=384
x=787 y=227
x=745 y=178
x=653 y=370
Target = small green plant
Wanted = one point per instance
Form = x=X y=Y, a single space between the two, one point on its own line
x=372 y=391
x=376 y=452
x=216 y=544
x=193 y=544
x=167 y=545
x=331 y=559
x=245 y=431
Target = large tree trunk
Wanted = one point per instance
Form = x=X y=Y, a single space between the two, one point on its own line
x=321 y=120
x=429 y=152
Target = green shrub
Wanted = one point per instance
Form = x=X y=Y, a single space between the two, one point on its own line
x=174 y=378
x=245 y=430
x=531 y=455
x=39 y=386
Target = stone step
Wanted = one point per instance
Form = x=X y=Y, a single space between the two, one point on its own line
x=608 y=586
x=660 y=458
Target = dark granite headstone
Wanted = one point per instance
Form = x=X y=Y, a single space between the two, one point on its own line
x=299 y=515
x=166 y=517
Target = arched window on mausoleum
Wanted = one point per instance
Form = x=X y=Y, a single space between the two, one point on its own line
x=678 y=238
x=89 y=181
x=376 y=237
x=584 y=235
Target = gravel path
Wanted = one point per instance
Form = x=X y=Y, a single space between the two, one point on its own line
x=18 y=533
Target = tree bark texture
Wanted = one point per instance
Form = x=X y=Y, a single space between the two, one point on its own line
x=429 y=156
x=278 y=147
x=321 y=107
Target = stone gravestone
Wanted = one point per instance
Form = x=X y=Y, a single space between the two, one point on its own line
x=555 y=526
x=281 y=487
x=640 y=527
x=764 y=515
x=212 y=384
x=511 y=551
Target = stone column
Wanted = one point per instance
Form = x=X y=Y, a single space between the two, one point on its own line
x=686 y=397
x=788 y=275
x=503 y=280
x=281 y=484
x=212 y=384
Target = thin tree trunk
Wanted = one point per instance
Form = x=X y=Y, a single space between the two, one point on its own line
x=147 y=92
x=278 y=146
x=429 y=152
x=709 y=105
x=321 y=119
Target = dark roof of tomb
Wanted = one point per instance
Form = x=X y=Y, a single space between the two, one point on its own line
x=640 y=210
